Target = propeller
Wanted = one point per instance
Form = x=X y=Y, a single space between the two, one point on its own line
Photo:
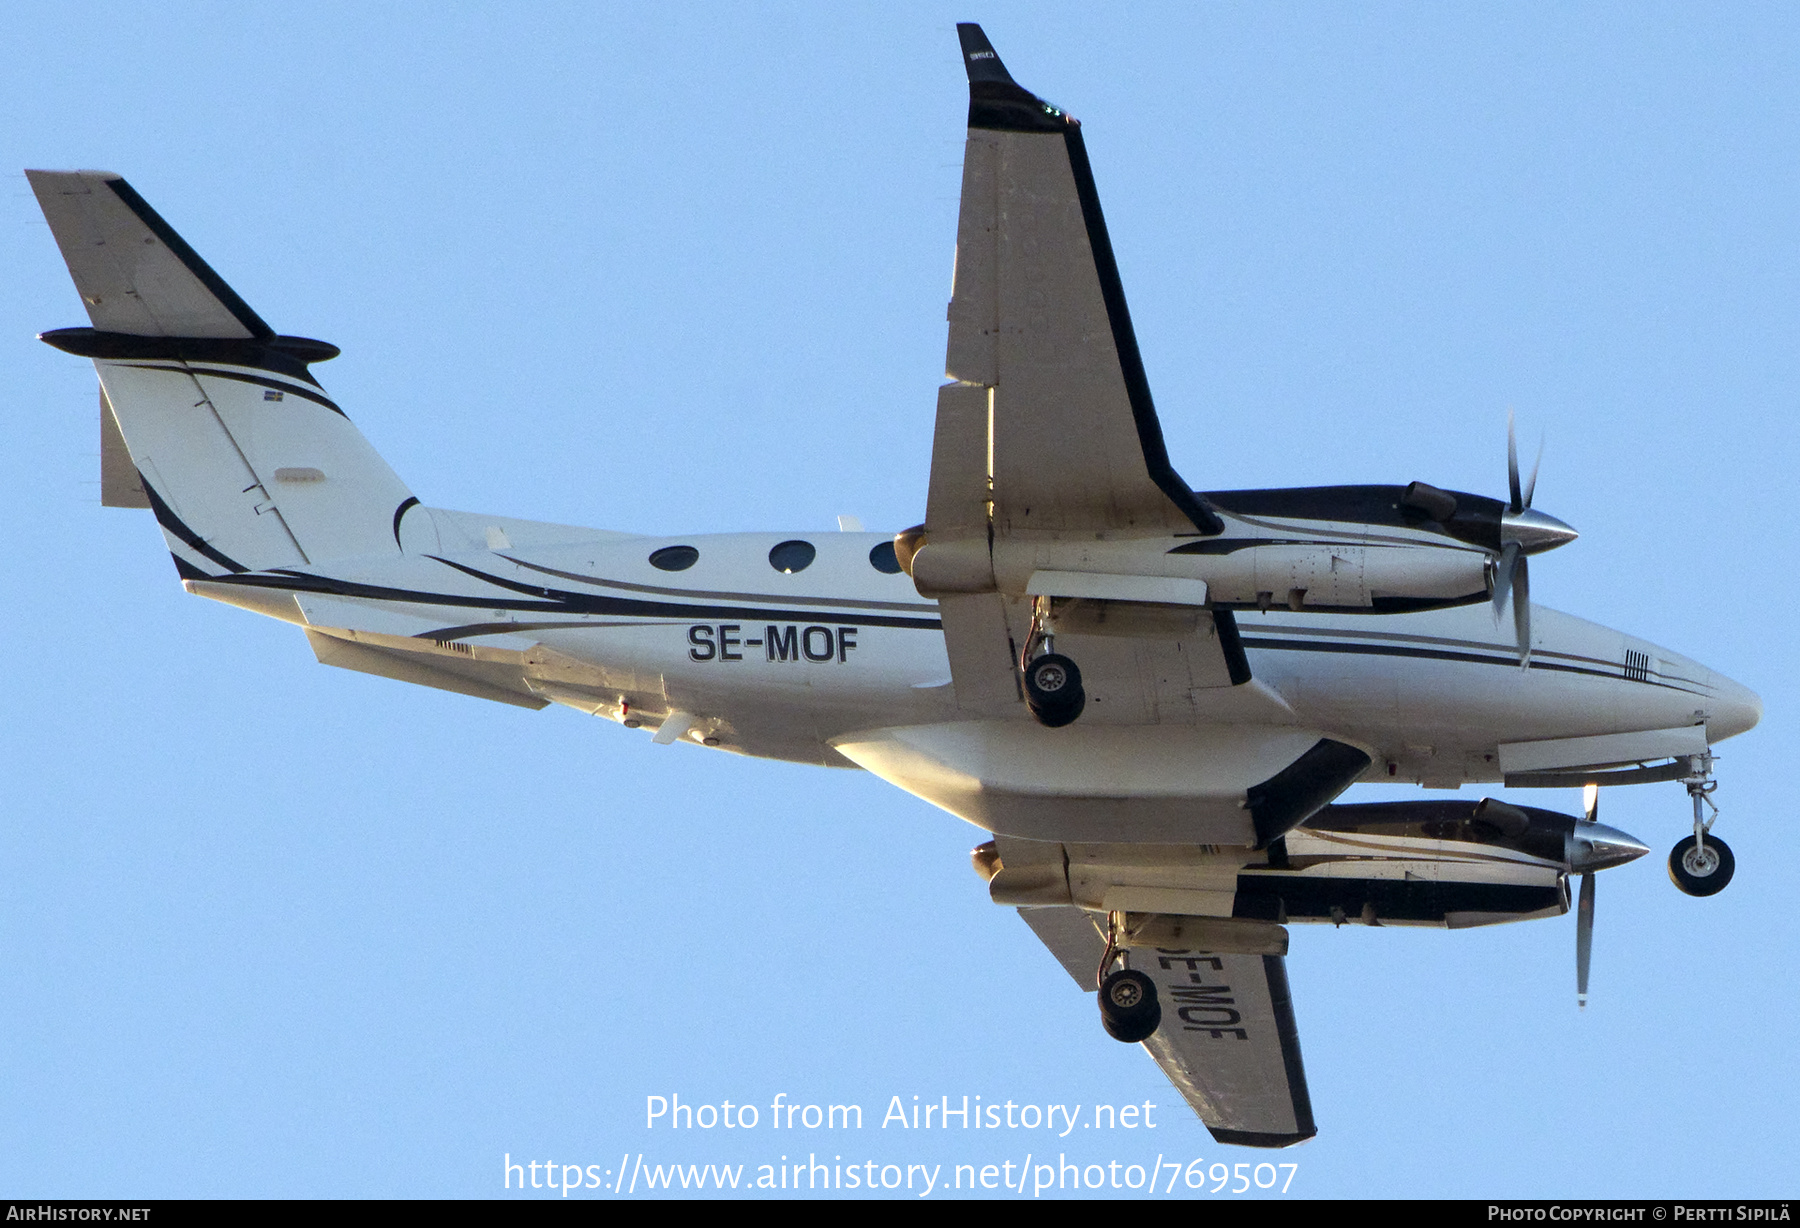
x=1523 y=532
x=1584 y=910
x=1593 y=846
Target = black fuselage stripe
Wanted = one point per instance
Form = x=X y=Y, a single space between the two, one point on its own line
x=406 y=505
x=166 y=517
x=594 y=603
x=1439 y=654
x=187 y=571
x=555 y=600
x=575 y=603
x=850 y=603
x=278 y=385
x=1439 y=642
x=473 y=630
x=262 y=381
x=558 y=601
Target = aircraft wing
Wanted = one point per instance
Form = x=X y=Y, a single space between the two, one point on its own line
x=1228 y=1041
x=1050 y=412
x=1048 y=431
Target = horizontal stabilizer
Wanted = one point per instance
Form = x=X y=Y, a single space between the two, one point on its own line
x=135 y=274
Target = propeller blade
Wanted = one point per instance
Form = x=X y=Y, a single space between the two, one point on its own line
x=1531 y=483
x=1584 y=938
x=1512 y=462
x=1590 y=802
x=1503 y=575
x=1522 y=610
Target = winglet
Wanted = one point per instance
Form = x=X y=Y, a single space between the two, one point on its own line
x=996 y=101
x=979 y=56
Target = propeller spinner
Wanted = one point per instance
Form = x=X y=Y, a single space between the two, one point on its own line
x=1523 y=532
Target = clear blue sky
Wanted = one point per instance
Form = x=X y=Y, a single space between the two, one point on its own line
x=272 y=929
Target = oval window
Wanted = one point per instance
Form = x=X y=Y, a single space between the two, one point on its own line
x=882 y=559
x=674 y=558
x=790 y=557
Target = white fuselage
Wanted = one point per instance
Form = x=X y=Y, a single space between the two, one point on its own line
x=824 y=663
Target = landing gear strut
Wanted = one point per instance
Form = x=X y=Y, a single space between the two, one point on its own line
x=1129 y=1009
x=1053 y=688
x=1701 y=864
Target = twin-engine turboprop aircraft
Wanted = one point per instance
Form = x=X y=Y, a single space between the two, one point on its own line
x=1150 y=696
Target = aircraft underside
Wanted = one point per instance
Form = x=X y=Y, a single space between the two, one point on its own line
x=1149 y=698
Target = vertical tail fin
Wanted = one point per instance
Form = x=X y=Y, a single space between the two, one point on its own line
x=246 y=462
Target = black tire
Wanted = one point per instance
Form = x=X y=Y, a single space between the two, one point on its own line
x=1701 y=877
x=1129 y=1010
x=1053 y=690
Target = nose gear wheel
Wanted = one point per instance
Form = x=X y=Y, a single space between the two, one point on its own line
x=1701 y=869
x=1701 y=864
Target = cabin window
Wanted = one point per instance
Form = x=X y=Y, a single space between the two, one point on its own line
x=674 y=558
x=882 y=559
x=793 y=556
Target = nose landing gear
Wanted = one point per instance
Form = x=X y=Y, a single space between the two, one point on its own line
x=1701 y=864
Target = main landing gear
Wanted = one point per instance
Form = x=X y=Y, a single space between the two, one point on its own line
x=1129 y=1009
x=1053 y=688
x=1701 y=864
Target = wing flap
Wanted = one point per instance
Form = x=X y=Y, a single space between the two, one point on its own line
x=1071 y=936
x=982 y=650
x=956 y=506
x=1141 y=663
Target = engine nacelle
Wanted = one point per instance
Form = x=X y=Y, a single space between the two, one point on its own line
x=1308 y=574
x=1440 y=863
x=1451 y=863
x=1238 y=571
